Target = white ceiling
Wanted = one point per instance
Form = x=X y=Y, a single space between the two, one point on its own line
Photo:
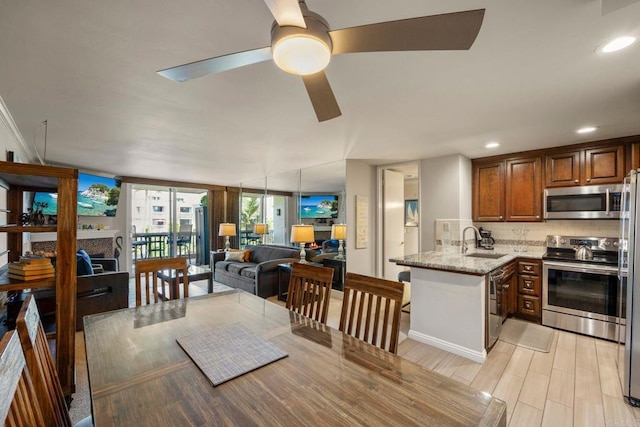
x=532 y=77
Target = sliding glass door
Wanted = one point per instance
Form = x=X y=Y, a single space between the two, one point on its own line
x=169 y=222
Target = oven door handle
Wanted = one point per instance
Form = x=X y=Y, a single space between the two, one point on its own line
x=607 y=203
x=581 y=268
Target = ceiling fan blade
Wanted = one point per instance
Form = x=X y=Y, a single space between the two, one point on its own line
x=193 y=70
x=450 y=31
x=286 y=12
x=321 y=95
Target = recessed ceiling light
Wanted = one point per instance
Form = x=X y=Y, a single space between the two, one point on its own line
x=492 y=144
x=618 y=44
x=587 y=129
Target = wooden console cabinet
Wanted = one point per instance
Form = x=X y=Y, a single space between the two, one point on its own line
x=21 y=178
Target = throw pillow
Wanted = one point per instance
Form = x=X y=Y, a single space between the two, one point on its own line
x=83 y=261
x=247 y=255
x=234 y=256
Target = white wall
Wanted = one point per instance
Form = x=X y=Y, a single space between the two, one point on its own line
x=361 y=181
x=445 y=192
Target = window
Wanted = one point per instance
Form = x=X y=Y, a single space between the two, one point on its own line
x=155 y=197
x=185 y=209
x=158 y=209
x=185 y=222
x=158 y=222
x=180 y=199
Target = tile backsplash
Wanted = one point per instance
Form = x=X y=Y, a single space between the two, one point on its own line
x=503 y=232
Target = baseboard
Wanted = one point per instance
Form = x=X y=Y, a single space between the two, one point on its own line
x=476 y=356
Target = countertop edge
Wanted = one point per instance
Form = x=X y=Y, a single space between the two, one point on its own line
x=462 y=264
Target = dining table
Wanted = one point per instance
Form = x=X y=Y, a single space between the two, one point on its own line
x=140 y=375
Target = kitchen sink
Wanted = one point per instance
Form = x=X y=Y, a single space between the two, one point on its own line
x=489 y=256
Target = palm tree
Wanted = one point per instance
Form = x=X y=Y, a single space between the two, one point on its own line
x=250 y=213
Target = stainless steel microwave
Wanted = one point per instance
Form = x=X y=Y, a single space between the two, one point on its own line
x=586 y=202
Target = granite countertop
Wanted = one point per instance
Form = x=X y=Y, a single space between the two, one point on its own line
x=464 y=264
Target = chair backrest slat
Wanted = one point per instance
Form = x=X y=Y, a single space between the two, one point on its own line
x=147 y=278
x=20 y=404
x=370 y=307
x=310 y=291
x=40 y=363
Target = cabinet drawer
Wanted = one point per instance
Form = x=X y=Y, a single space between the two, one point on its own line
x=529 y=306
x=529 y=267
x=529 y=285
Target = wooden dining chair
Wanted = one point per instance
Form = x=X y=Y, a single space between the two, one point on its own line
x=20 y=403
x=154 y=274
x=370 y=307
x=310 y=290
x=40 y=365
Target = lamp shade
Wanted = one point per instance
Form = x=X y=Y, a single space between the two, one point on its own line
x=227 y=229
x=339 y=231
x=260 y=228
x=302 y=233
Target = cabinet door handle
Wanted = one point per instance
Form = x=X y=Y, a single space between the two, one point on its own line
x=505 y=286
x=500 y=217
x=537 y=216
x=576 y=181
x=588 y=179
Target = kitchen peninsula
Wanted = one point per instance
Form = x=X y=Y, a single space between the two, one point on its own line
x=449 y=294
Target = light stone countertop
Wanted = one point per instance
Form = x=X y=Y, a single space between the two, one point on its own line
x=458 y=263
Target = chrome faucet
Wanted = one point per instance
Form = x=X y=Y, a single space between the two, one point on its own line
x=465 y=247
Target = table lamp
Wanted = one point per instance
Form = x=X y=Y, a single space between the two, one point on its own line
x=302 y=234
x=339 y=233
x=261 y=229
x=227 y=230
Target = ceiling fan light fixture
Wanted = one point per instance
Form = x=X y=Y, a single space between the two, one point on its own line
x=301 y=54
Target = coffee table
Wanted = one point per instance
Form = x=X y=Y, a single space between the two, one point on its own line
x=194 y=273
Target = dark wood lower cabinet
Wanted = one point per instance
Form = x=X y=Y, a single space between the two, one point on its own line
x=529 y=290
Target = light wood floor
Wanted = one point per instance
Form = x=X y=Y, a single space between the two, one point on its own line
x=575 y=384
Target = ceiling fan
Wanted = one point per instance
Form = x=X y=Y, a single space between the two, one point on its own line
x=302 y=44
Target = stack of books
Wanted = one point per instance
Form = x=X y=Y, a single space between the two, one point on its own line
x=31 y=268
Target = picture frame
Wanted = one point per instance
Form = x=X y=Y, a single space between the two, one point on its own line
x=411 y=215
x=362 y=221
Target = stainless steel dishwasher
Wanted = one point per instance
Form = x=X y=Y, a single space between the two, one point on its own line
x=494 y=306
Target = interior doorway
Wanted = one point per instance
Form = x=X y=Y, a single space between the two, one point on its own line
x=399 y=227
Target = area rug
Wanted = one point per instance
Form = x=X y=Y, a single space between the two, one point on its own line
x=525 y=334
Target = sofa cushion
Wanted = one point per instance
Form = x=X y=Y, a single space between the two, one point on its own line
x=234 y=256
x=237 y=267
x=248 y=272
x=83 y=263
x=222 y=265
x=267 y=253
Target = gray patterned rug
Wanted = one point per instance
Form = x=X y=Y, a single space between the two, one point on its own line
x=526 y=334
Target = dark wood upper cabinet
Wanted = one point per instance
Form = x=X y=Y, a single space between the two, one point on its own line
x=634 y=156
x=488 y=191
x=604 y=165
x=507 y=190
x=524 y=189
x=591 y=166
x=563 y=169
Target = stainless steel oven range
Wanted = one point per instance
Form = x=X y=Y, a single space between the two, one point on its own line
x=580 y=290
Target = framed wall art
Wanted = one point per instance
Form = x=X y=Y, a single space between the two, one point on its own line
x=411 y=218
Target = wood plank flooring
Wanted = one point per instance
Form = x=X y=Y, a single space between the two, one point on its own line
x=575 y=384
